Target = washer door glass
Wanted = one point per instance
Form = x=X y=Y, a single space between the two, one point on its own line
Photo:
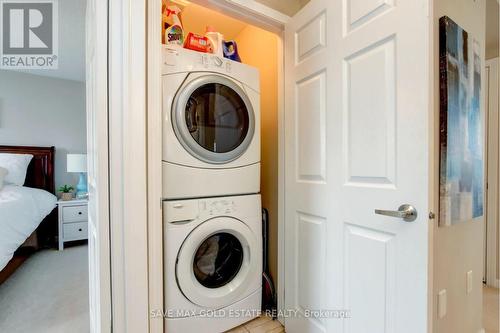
x=218 y=260
x=213 y=119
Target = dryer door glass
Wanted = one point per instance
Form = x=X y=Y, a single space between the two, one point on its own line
x=218 y=260
x=217 y=118
x=213 y=118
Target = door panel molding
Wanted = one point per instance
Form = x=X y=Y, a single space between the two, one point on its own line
x=377 y=297
x=310 y=38
x=359 y=12
x=370 y=115
x=310 y=114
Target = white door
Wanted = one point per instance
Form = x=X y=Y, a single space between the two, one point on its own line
x=97 y=159
x=357 y=139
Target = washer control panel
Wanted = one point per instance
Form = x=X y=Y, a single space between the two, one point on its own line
x=180 y=211
x=214 y=207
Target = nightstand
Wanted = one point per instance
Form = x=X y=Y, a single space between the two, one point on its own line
x=73 y=221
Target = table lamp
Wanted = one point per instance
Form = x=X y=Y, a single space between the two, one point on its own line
x=77 y=163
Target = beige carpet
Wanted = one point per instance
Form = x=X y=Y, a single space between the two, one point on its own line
x=48 y=293
x=490 y=310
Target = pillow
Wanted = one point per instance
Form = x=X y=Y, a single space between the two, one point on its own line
x=3 y=173
x=17 y=166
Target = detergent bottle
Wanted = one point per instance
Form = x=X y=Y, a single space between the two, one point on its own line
x=173 y=33
x=215 y=39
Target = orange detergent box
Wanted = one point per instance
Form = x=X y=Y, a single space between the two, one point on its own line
x=197 y=43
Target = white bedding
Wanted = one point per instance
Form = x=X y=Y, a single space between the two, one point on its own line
x=21 y=211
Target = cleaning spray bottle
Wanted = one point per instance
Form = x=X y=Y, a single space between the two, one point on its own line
x=173 y=32
x=215 y=39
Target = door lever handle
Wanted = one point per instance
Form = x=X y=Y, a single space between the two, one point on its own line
x=406 y=212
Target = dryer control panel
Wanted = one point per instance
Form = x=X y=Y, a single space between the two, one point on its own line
x=210 y=61
x=204 y=60
x=180 y=60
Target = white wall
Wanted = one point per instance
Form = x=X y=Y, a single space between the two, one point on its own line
x=492 y=29
x=493 y=51
x=42 y=111
x=458 y=248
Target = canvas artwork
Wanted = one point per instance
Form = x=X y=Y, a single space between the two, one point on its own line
x=461 y=133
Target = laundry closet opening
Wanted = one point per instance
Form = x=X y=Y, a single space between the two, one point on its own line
x=257 y=48
x=212 y=142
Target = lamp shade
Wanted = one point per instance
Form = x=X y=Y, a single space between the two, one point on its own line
x=77 y=163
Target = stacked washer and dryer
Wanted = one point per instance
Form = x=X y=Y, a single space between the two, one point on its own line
x=212 y=205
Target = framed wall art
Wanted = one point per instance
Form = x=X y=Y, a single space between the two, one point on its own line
x=461 y=181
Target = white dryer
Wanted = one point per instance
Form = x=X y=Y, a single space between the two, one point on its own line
x=212 y=263
x=211 y=126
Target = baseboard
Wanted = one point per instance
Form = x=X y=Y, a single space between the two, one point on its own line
x=493 y=284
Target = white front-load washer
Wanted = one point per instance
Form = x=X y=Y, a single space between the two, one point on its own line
x=211 y=126
x=212 y=263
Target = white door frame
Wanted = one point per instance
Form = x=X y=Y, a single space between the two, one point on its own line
x=154 y=154
x=492 y=174
x=98 y=165
x=128 y=165
x=253 y=13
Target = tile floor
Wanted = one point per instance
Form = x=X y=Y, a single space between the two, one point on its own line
x=262 y=324
x=265 y=324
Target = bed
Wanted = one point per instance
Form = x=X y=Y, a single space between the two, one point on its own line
x=28 y=218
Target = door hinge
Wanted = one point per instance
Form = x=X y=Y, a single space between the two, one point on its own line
x=432 y=216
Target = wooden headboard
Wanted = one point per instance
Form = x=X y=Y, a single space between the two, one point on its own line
x=41 y=168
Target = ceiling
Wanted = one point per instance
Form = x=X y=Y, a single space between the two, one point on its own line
x=288 y=7
x=492 y=29
x=71 y=43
